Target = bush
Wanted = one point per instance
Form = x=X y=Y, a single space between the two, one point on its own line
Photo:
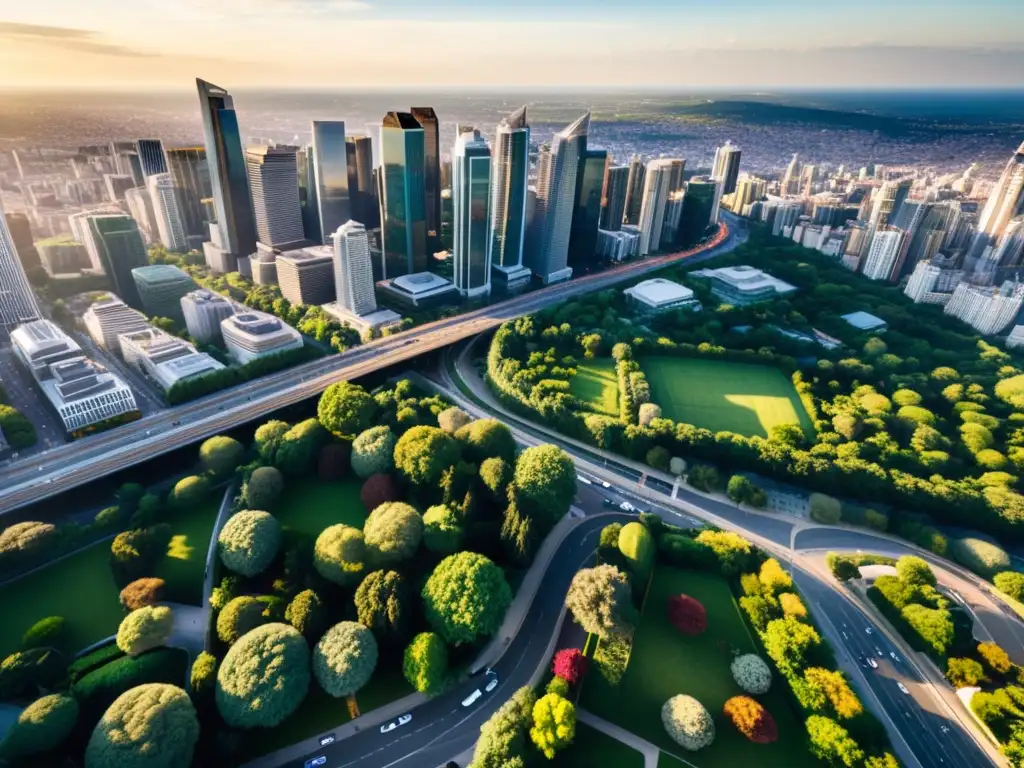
x=344 y=659
x=637 y=547
x=825 y=509
x=569 y=664
x=466 y=598
x=299 y=447
x=554 y=724
x=50 y=632
x=98 y=689
x=914 y=571
x=22 y=542
x=688 y=723
x=423 y=453
x=189 y=492
x=264 y=677
x=964 y=673
x=373 y=451
x=1010 y=583
x=995 y=658
x=751 y=719
x=151 y=726
x=687 y=615
x=751 y=673
x=135 y=553
x=734 y=553
x=41 y=727
x=144 y=629
x=339 y=555
x=22 y=672
x=774 y=578
x=392 y=533
x=832 y=687
x=107 y=517
x=442 y=531
x=334 y=461
x=379 y=489
x=249 y=541
x=600 y=601
x=677 y=466
x=503 y=737
x=792 y=605
x=425 y=663
x=307 y=613
x=142 y=592
x=658 y=457
x=264 y=488
x=221 y=455
x=268 y=437
x=451 y=420
x=558 y=686
x=93 y=660
x=239 y=617
x=983 y=557
x=496 y=474
x=203 y=679
x=346 y=409
x=678 y=549
x=832 y=743
x=487 y=439
x=704 y=478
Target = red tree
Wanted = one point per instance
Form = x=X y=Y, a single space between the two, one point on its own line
x=333 y=462
x=687 y=615
x=751 y=719
x=570 y=665
x=378 y=489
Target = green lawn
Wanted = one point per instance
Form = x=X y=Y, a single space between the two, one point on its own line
x=665 y=663
x=309 y=505
x=597 y=384
x=594 y=749
x=723 y=396
x=185 y=564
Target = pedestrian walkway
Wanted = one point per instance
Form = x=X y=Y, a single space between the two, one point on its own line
x=189 y=630
x=648 y=750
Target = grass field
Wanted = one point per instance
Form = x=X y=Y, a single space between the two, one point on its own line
x=185 y=564
x=723 y=396
x=594 y=749
x=309 y=505
x=665 y=663
x=597 y=384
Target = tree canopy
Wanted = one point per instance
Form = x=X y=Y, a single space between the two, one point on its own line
x=466 y=598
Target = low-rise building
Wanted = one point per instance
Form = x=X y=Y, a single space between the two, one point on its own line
x=107 y=319
x=161 y=287
x=1016 y=337
x=659 y=295
x=165 y=359
x=306 y=275
x=865 y=321
x=618 y=245
x=63 y=255
x=421 y=289
x=203 y=310
x=742 y=285
x=263 y=265
x=250 y=335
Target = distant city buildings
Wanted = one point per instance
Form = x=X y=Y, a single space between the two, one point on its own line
x=931 y=284
x=356 y=303
x=586 y=216
x=616 y=187
x=635 y=190
x=882 y=254
x=726 y=166
x=330 y=172
x=190 y=180
x=427 y=119
x=120 y=249
x=663 y=191
x=170 y=225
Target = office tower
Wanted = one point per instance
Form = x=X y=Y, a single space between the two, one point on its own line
x=882 y=254
x=308 y=205
x=926 y=231
x=17 y=302
x=353 y=270
x=556 y=197
x=330 y=171
x=160 y=288
x=510 y=171
x=151 y=156
x=727 y=166
x=273 y=178
x=887 y=202
x=140 y=208
x=471 y=179
x=233 y=234
x=613 y=206
x=120 y=249
x=128 y=163
x=427 y=119
x=359 y=164
x=117 y=184
x=403 y=216
x=791 y=178
x=748 y=190
x=203 y=310
x=21 y=234
x=169 y=224
x=1009 y=252
x=586 y=216
x=190 y=179
x=634 y=190
x=987 y=310
x=663 y=181
x=1006 y=199
x=700 y=207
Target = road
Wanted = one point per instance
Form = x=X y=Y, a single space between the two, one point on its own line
x=61 y=469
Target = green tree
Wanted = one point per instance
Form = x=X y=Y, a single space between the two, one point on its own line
x=600 y=601
x=344 y=659
x=249 y=542
x=263 y=488
x=788 y=642
x=554 y=724
x=373 y=451
x=308 y=614
x=189 y=492
x=220 y=455
x=774 y=578
x=545 y=477
x=392 y=532
x=442 y=531
x=339 y=555
x=502 y=742
x=1010 y=583
x=383 y=605
x=995 y=658
x=637 y=547
x=964 y=673
x=240 y=616
x=739 y=488
x=465 y=598
x=496 y=474
x=425 y=663
x=422 y=454
x=268 y=439
x=487 y=439
x=836 y=691
x=149 y=726
x=297 y=452
x=915 y=571
x=734 y=553
x=203 y=679
x=832 y=743
x=825 y=509
x=346 y=409
x=144 y=629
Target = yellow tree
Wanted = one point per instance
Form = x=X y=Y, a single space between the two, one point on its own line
x=554 y=724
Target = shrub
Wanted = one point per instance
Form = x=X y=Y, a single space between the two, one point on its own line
x=98 y=689
x=503 y=737
x=345 y=409
x=425 y=663
x=249 y=541
x=221 y=454
x=964 y=673
x=339 y=554
x=264 y=488
x=600 y=601
x=687 y=615
x=825 y=509
x=144 y=629
x=546 y=478
x=344 y=659
x=22 y=542
x=681 y=550
x=774 y=578
x=264 y=677
x=22 y=672
x=554 y=724
x=50 y=632
x=832 y=743
x=307 y=613
x=832 y=686
x=487 y=439
x=107 y=517
x=268 y=437
x=658 y=457
x=983 y=557
x=41 y=727
x=373 y=451
x=203 y=678
x=915 y=571
x=792 y=605
x=142 y=592
x=442 y=531
x=1010 y=583
x=751 y=673
x=995 y=658
x=239 y=617
x=93 y=660
x=451 y=420
x=558 y=686
x=379 y=489
x=496 y=474
x=136 y=552
x=788 y=642
x=734 y=553
x=569 y=664
x=677 y=466
x=465 y=598
x=382 y=605
x=933 y=625
x=688 y=723
x=751 y=719
x=334 y=461
x=637 y=547
x=704 y=478
x=423 y=453
x=392 y=533
x=189 y=492
x=299 y=447
x=151 y=726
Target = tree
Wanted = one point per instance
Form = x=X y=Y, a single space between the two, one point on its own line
x=339 y=554
x=1010 y=583
x=149 y=726
x=144 y=629
x=496 y=474
x=739 y=488
x=836 y=691
x=334 y=461
x=392 y=532
x=546 y=479
x=637 y=547
x=995 y=658
x=203 y=679
x=825 y=509
x=263 y=678
x=688 y=723
x=788 y=642
x=373 y=451
x=308 y=614
x=964 y=673
x=425 y=663
x=382 y=605
x=264 y=488
x=451 y=420
x=600 y=600
x=502 y=742
x=18 y=430
x=554 y=724
x=345 y=409
x=442 y=532
x=677 y=466
x=1011 y=390
x=379 y=489
x=658 y=457
x=189 y=492
x=487 y=439
x=788 y=434
x=832 y=743
x=299 y=447
x=569 y=664
x=249 y=542
x=751 y=673
x=41 y=727
x=557 y=686
x=23 y=672
x=268 y=438
x=240 y=616
x=465 y=598
x=982 y=557
x=22 y=542
x=934 y=625
x=135 y=553
x=734 y=553
x=423 y=453
x=344 y=659
x=687 y=615
x=751 y=719
x=915 y=571
x=51 y=632
x=221 y=454
x=774 y=578
x=792 y=605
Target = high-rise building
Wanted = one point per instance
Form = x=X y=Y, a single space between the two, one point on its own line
x=548 y=255
x=1009 y=251
x=663 y=181
x=987 y=310
x=791 y=178
x=117 y=184
x=353 y=270
x=190 y=177
x=308 y=204
x=471 y=179
x=727 y=166
x=403 y=216
x=886 y=205
x=882 y=254
x=203 y=310
x=306 y=275
x=700 y=211
x=160 y=288
x=510 y=170
x=273 y=178
x=586 y=216
x=235 y=234
x=140 y=207
x=151 y=156
x=330 y=170
x=1006 y=199
x=169 y=223
x=634 y=190
x=427 y=118
x=363 y=196
x=17 y=302
x=63 y=255
x=82 y=232
x=120 y=249
x=20 y=230
x=613 y=207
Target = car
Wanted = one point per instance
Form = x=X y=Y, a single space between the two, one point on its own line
x=608 y=502
x=492 y=683
x=902 y=687
x=626 y=507
x=894 y=657
x=879 y=652
x=944 y=729
x=605 y=484
x=869 y=631
x=872 y=663
x=388 y=727
x=845 y=636
x=315 y=762
x=471 y=699
x=864 y=662
x=328 y=739
x=404 y=719
x=583 y=480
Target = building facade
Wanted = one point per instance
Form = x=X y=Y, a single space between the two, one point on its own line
x=330 y=172
x=471 y=187
x=427 y=119
x=161 y=287
x=635 y=190
x=1007 y=198
x=613 y=206
x=203 y=311
x=274 y=180
x=663 y=182
x=727 y=166
x=882 y=255
x=403 y=198
x=363 y=195
x=120 y=248
x=170 y=225
x=151 y=156
x=190 y=179
x=586 y=216
x=988 y=310
x=353 y=269
x=107 y=319
x=17 y=302
x=306 y=276
x=510 y=173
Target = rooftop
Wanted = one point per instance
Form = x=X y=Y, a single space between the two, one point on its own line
x=255 y=323
x=420 y=282
x=204 y=296
x=41 y=338
x=160 y=273
x=403 y=120
x=864 y=321
x=659 y=291
x=311 y=254
x=746 y=278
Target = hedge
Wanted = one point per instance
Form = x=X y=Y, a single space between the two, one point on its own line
x=100 y=688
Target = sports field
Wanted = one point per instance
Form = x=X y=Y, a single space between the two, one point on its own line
x=597 y=384
x=723 y=396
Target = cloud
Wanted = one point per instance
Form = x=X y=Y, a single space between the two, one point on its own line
x=263 y=8
x=83 y=40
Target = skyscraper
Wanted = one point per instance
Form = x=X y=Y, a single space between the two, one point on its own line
x=791 y=178
x=699 y=210
x=427 y=118
x=1006 y=199
x=330 y=170
x=556 y=197
x=190 y=178
x=308 y=203
x=151 y=156
x=403 y=217
x=663 y=181
x=359 y=164
x=885 y=207
x=274 y=180
x=353 y=270
x=24 y=244
x=586 y=216
x=510 y=171
x=727 y=166
x=613 y=207
x=140 y=206
x=169 y=224
x=471 y=179
x=120 y=248
x=17 y=302
x=882 y=254
x=635 y=190
x=235 y=228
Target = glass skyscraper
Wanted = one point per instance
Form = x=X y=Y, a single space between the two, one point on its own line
x=586 y=216
x=510 y=172
x=330 y=171
x=427 y=119
x=403 y=214
x=120 y=247
x=613 y=208
x=17 y=302
x=363 y=196
x=471 y=179
x=151 y=156
x=190 y=175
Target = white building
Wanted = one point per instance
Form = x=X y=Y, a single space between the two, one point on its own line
x=660 y=295
x=741 y=285
x=140 y=207
x=169 y=224
x=17 y=302
x=421 y=288
x=83 y=233
x=250 y=335
x=356 y=304
x=166 y=359
x=306 y=275
x=1006 y=199
x=663 y=182
x=203 y=311
x=618 y=245
x=108 y=319
x=1016 y=337
x=471 y=179
x=882 y=255
x=988 y=310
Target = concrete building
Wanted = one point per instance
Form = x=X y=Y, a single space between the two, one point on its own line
x=203 y=311
x=170 y=227
x=140 y=207
x=510 y=172
x=62 y=255
x=151 y=156
x=865 y=321
x=422 y=289
x=274 y=181
x=988 y=310
x=306 y=275
x=119 y=245
x=330 y=173
x=700 y=211
x=634 y=190
x=82 y=232
x=107 y=319
x=742 y=285
x=882 y=255
x=613 y=206
x=471 y=180
x=165 y=359
x=1006 y=199
x=930 y=284
x=1016 y=338
x=726 y=166
x=586 y=215
x=362 y=194
x=190 y=179
x=353 y=283
x=619 y=245
x=663 y=183
x=17 y=302
x=250 y=335
x=117 y=184
x=659 y=295
x=160 y=288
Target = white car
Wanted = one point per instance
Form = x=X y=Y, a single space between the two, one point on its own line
x=387 y=727
x=328 y=739
x=471 y=699
x=894 y=657
x=944 y=729
x=879 y=652
x=605 y=484
x=316 y=761
x=872 y=663
x=584 y=480
x=492 y=683
x=626 y=507
x=869 y=630
x=902 y=687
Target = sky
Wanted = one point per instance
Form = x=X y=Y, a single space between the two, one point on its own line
x=495 y=44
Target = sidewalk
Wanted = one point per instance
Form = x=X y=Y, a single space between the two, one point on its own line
x=648 y=750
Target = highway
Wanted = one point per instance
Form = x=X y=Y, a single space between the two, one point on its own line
x=63 y=468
